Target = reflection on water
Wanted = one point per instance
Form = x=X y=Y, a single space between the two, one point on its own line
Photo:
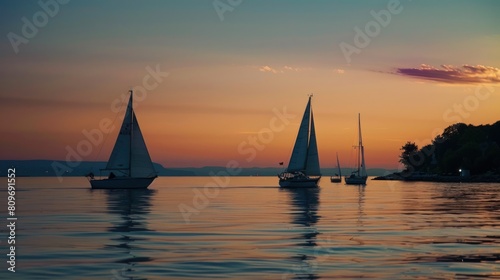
x=455 y=207
x=361 y=201
x=304 y=214
x=254 y=230
x=132 y=207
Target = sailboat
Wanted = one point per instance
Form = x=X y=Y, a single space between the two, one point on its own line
x=358 y=176
x=303 y=169
x=338 y=177
x=130 y=165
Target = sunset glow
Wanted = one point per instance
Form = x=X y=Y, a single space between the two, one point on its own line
x=216 y=84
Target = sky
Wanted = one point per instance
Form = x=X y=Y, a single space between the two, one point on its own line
x=228 y=80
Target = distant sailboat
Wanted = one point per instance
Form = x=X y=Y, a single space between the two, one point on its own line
x=358 y=177
x=338 y=177
x=303 y=169
x=130 y=164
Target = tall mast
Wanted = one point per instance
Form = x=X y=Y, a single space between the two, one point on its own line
x=308 y=130
x=359 y=144
x=131 y=132
x=362 y=150
x=338 y=165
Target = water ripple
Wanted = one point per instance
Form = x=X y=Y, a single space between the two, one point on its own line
x=254 y=230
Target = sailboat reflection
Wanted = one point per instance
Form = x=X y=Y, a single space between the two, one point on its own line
x=361 y=207
x=304 y=202
x=132 y=207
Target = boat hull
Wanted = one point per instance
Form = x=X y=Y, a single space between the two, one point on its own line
x=122 y=183
x=355 y=180
x=299 y=182
x=335 y=179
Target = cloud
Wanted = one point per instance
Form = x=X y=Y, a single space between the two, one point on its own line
x=269 y=69
x=281 y=70
x=466 y=74
x=340 y=71
x=289 y=68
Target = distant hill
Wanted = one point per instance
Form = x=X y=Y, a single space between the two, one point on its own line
x=41 y=168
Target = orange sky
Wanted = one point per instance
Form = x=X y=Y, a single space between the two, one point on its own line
x=197 y=127
x=226 y=77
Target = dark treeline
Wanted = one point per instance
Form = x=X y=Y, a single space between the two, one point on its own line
x=460 y=146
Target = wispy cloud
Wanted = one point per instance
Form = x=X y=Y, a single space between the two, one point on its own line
x=339 y=71
x=269 y=69
x=466 y=74
x=289 y=68
x=281 y=70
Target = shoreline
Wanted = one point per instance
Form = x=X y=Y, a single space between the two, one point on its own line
x=440 y=178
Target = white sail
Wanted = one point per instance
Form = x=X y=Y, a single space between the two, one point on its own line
x=130 y=156
x=141 y=164
x=299 y=153
x=120 y=157
x=312 y=163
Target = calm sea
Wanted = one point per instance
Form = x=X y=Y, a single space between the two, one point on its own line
x=251 y=229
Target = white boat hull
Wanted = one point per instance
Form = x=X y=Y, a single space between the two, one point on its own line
x=122 y=183
x=355 y=180
x=299 y=182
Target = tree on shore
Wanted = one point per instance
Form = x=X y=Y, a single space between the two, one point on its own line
x=460 y=146
x=408 y=154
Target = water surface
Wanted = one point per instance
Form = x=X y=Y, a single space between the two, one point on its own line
x=181 y=229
